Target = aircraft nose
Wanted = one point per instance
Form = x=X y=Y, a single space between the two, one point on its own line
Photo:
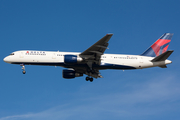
x=6 y=59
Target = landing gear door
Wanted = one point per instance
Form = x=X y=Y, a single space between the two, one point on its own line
x=141 y=62
x=21 y=55
x=54 y=56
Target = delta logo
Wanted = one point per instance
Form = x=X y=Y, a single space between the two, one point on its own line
x=35 y=53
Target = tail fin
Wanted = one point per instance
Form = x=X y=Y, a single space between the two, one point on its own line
x=160 y=46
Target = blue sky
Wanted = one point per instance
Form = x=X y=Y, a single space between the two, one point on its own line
x=42 y=93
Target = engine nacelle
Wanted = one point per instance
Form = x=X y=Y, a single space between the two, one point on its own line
x=71 y=59
x=69 y=74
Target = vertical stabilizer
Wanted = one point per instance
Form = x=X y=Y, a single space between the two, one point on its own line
x=160 y=46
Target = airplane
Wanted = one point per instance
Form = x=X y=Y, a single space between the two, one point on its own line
x=93 y=59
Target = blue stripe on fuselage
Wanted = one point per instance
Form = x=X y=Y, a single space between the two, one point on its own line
x=95 y=66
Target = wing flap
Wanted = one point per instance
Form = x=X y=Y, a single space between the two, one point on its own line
x=97 y=52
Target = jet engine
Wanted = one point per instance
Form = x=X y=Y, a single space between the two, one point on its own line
x=70 y=59
x=69 y=74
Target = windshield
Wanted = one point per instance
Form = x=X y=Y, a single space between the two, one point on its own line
x=12 y=54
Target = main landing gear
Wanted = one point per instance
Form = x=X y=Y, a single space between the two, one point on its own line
x=89 y=79
x=23 y=68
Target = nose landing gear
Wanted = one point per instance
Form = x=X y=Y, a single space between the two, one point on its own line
x=24 y=72
x=23 y=68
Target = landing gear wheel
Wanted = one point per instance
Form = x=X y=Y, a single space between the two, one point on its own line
x=24 y=72
x=91 y=79
x=87 y=78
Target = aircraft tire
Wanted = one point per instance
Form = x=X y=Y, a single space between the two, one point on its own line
x=24 y=72
x=87 y=78
x=91 y=79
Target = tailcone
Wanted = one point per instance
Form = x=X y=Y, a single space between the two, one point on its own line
x=168 y=62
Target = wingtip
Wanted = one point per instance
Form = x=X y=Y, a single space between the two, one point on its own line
x=171 y=50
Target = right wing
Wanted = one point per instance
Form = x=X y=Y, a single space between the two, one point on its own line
x=96 y=50
x=93 y=54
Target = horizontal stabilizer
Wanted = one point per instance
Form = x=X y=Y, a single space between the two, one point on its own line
x=163 y=56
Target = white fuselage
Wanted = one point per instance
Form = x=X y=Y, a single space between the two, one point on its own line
x=108 y=61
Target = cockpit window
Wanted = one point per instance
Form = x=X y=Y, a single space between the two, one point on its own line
x=12 y=54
